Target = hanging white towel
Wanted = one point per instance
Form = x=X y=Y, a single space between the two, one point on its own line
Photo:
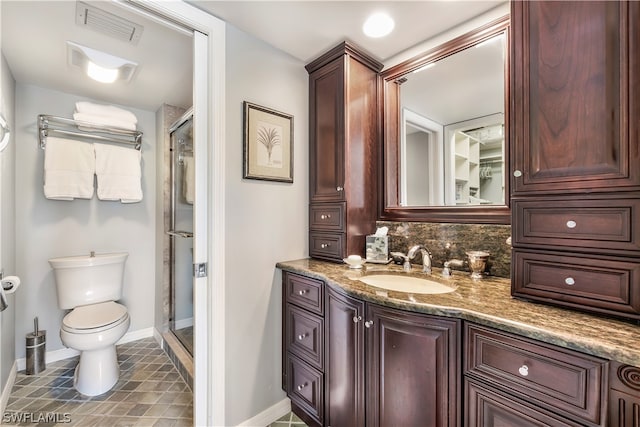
x=104 y=120
x=119 y=173
x=68 y=169
x=188 y=179
x=112 y=111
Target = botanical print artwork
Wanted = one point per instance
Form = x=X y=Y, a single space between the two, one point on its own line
x=269 y=137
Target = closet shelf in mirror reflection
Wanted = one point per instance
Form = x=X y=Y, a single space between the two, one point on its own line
x=180 y=233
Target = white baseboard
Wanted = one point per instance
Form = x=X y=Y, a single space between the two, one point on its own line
x=6 y=390
x=269 y=415
x=67 y=353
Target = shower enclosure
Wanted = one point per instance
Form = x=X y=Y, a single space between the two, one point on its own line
x=181 y=230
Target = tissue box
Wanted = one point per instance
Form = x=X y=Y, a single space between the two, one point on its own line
x=377 y=248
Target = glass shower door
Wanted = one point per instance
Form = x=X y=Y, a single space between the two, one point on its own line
x=181 y=241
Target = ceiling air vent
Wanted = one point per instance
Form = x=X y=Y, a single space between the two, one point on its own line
x=107 y=23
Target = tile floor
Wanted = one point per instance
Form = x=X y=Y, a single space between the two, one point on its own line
x=289 y=420
x=150 y=392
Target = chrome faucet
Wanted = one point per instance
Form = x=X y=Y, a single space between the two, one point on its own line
x=426 y=258
x=446 y=271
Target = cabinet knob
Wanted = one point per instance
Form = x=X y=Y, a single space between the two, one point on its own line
x=356 y=319
x=301 y=386
x=302 y=336
x=302 y=291
x=325 y=216
x=517 y=173
x=368 y=323
x=325 y=245
x=571 y=224
x=338 y=188
x=569 y=281
x=523 y=370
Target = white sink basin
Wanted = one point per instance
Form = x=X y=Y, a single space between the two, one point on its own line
x=413 y=285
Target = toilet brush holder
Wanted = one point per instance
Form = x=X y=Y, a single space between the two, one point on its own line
x=36 y=349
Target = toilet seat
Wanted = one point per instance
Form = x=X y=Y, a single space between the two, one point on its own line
x=93 y=318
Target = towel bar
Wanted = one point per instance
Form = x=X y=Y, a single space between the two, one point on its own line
x=48 y=125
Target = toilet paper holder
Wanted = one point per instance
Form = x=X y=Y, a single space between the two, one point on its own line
x=9 y=285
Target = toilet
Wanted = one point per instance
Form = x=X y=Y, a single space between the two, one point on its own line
x=89 y=286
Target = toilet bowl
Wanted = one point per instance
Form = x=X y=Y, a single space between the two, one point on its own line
x=89 y=286
x=94 y=330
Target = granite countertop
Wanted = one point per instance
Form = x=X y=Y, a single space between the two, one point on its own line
x=488 y=302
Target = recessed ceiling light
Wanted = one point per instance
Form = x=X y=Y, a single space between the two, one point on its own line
x=378 y=25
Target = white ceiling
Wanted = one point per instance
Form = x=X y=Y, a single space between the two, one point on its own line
x=34 y=34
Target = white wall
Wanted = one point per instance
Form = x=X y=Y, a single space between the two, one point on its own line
x=7 y=224
x=50 y=228
x=266 y=222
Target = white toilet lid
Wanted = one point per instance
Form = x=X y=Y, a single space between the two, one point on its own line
x=94 y=315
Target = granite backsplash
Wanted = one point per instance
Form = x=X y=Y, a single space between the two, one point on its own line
x=448 y=241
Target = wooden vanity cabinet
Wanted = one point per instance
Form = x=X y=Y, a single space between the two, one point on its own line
x=387 y=367
x=575 y=193
x=624 y=395
x=508 y=377
x=343 y=154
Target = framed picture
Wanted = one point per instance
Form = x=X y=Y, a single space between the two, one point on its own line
x=268 y=144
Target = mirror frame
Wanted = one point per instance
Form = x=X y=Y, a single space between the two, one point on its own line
x=389 y=208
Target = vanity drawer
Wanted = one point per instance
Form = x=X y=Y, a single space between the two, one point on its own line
x=304 y=292
x=582 y=282
x=485 y=407
x=560 y=380
x=306 y=388
x=329 y=246
x=591 y=225
x=304 y=335
x=326 y=216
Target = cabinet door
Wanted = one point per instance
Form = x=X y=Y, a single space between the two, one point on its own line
x=413 y=369
x=575 y=105
x=326 y=116
x=344 y=361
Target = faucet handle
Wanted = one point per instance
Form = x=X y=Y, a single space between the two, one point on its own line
x=446 y=271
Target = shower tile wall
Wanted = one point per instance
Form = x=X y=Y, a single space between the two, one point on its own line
x=448 y=241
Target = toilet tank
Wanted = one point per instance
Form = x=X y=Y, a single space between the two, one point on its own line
x=88 y=279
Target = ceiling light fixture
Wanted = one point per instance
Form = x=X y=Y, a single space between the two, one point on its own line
x=100 y=66
x=378 y=25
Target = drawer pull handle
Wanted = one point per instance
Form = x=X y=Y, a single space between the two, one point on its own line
x=302 y=336
x=325 y=216
x=517 y=173
x=325 y=245
x=303 y=291
x=523 y=370
x=356 y=319
x=569 y=281
x=301 y=386
x=571 y=224
x=338 y=188
x=368 y=323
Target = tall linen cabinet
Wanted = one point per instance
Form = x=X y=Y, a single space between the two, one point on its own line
x=575 y=133
x=343 y=155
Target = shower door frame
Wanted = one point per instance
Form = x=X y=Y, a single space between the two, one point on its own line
x=208 y=235
x=174 y=159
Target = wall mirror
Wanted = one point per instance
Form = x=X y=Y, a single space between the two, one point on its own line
x=445 y=131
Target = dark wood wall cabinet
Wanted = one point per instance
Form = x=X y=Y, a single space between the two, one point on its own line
x=343 y=155
x=575 y=133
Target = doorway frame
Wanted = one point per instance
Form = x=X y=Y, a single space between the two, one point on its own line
x=208 y=234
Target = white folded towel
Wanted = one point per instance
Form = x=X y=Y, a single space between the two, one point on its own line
x=68 y=169
x=104 y=120
x=188 y=179
x=112 y=111
x=119 y=173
